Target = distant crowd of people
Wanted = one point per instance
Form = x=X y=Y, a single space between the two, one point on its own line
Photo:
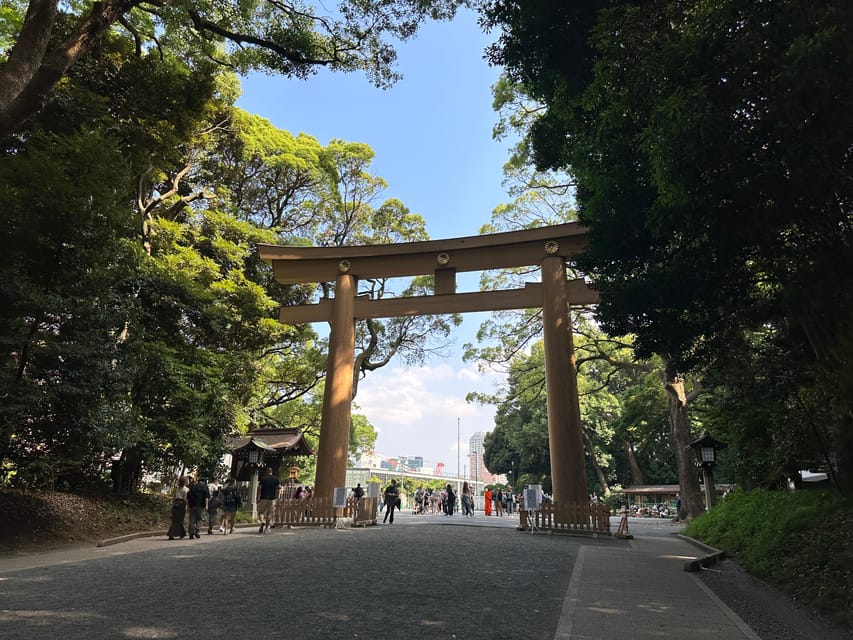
x=445 y=501
x=652 y=511
x=219 y=504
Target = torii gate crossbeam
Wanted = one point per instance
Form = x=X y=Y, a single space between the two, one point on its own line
x=546 y=247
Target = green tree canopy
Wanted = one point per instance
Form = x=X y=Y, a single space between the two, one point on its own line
x=710 y=147
x=47 y=38
x=142 y=327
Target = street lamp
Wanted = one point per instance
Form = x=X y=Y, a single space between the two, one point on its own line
x=705 y=447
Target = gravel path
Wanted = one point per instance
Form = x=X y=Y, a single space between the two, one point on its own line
x=420 y=578
x=770 y=613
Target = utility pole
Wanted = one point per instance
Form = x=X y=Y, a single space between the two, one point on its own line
x=458 y=458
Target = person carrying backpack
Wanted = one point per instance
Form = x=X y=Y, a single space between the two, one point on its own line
x=231 y=503
x=213 y=506
x=197 y=498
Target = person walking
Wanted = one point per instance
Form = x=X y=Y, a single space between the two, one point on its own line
x=450 y=503
x=179 y=509
x=392 y=494
x=487 y=501
x=231 y=501
x=420 y=499
x=267 y=493
x=467 y=500
x=213 y=506
x=197 y=498
x=499 y=502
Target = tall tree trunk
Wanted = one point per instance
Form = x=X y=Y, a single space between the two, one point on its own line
x=842 y=448
x=7 y=428
x=692 y=504
x=31 y=70
x=833 y=349
x=599 y=472
x=126 y=472
x=12 y=422
x=637 y=476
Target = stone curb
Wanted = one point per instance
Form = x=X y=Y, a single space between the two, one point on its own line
x=712 y=557
x=154 y=534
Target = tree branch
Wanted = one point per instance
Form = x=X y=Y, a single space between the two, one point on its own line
x=33 y=80
x=203 y=24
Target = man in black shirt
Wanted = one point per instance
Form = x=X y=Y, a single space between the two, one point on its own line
x=268 y=486
x=392 y=495
x=197 y=498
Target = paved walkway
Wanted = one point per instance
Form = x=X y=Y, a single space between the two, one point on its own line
x=422 y=578
x=639 y=590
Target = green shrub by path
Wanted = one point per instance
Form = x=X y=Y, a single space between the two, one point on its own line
x=757 y=525
x=801 y=541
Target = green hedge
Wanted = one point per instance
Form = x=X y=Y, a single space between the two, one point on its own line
x=761 y=526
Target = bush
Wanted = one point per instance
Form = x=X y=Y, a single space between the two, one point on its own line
x=801 y=541
x=758 y=525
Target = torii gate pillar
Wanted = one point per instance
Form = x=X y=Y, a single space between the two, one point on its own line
x=568 y=468
x=337 y=397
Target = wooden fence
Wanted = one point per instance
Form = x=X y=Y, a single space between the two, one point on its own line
x=363 y=511
x=319 y=511
x=590 y=519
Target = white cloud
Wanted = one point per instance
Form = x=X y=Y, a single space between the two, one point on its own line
x=415 y=410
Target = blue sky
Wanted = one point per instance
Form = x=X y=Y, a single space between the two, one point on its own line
x=432 y=134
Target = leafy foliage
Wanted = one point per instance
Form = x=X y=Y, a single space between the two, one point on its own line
x=159 y=335
x=761 y=528
x=620 y=406
x=126 y=330
x=286 y=38
x=709 y=143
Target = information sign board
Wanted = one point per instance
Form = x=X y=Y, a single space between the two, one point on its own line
x=339 y=497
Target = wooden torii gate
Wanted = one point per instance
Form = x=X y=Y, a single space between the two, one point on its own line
x=547 y=247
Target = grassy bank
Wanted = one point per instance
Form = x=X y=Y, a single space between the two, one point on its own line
x=800 y=541
x=38 y=520
x=45 y=519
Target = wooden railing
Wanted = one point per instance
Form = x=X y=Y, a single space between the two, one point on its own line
x=313 y=511
x=363 y=511
x=567 y=518
x=319 y=511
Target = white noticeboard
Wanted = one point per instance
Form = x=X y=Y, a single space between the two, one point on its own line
x=339 y=497
x=532 y=498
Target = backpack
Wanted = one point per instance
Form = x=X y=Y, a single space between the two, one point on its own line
x=195 y=496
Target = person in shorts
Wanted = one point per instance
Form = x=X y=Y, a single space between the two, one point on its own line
x=268 y=492
x=231 y=502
